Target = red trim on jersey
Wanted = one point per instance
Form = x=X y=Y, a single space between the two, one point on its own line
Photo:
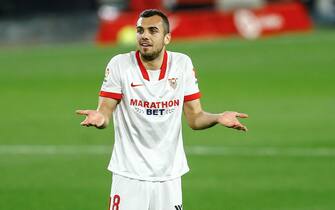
x=192 y=97
x=144 y=71
x=163 y=67
x=142 y=68
x=117 y=96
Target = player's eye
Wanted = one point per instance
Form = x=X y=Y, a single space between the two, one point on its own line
x=140 y=30
x=153 y=30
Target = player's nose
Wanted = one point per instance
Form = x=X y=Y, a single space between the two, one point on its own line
x=145 y=35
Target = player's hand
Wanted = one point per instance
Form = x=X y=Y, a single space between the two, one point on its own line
x=93 y=118
x=229 y=119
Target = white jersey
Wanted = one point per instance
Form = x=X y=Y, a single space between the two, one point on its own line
x=147 y=121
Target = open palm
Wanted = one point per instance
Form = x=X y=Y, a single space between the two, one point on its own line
x=229 y=119
x=93 y=118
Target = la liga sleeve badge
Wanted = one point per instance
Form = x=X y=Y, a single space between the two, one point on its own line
x=106 y=74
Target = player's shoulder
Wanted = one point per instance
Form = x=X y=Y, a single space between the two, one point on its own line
x=179 y=56
x=120 y=59
x=180 y=59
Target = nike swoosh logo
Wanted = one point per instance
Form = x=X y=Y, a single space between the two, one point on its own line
x=135 y=85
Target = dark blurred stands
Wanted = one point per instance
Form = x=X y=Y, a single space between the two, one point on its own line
x=40 y=21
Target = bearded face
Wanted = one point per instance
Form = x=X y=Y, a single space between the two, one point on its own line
x=151 y=37
x=150 y=53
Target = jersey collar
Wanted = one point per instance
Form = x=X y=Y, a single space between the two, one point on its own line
x=145 y=72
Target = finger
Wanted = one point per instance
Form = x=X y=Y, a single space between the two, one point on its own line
x=86 y=122
x=82 y=112
x=235 y=126
x=242 y=115
x=243 y=128
x=239 y=126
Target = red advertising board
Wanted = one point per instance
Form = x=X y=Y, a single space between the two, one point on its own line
x=249 y=23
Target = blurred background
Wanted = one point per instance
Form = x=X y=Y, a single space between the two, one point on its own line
x=272 y=59
x=37 y=21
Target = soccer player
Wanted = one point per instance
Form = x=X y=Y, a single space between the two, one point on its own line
x=146 y=92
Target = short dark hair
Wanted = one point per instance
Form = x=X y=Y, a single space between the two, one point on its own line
x=152 y=12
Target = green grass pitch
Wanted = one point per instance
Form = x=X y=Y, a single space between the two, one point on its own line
x=285 y=162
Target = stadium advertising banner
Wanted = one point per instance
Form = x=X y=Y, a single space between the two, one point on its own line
x=249 y=23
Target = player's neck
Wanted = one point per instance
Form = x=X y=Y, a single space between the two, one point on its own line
x=154 y=64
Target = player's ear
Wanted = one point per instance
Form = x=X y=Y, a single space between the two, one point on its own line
x=167 y=38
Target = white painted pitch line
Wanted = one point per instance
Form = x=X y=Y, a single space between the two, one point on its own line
x=54 y=149
x=261 y=151
x=190 y=150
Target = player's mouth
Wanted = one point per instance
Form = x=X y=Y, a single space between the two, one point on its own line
x=145 y=45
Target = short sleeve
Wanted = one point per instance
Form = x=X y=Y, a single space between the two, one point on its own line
x=111 y=86
x=191 y=83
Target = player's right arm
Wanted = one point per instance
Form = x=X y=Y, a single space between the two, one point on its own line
x=101 y=117
x=110 y=95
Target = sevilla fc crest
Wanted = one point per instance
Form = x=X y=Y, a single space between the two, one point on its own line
x=173 y=82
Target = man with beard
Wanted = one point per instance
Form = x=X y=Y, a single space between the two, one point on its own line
x=146 y=91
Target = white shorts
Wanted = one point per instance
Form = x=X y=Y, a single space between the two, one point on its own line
x=133 y=194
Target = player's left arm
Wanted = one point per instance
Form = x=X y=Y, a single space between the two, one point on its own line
x=198 y=119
